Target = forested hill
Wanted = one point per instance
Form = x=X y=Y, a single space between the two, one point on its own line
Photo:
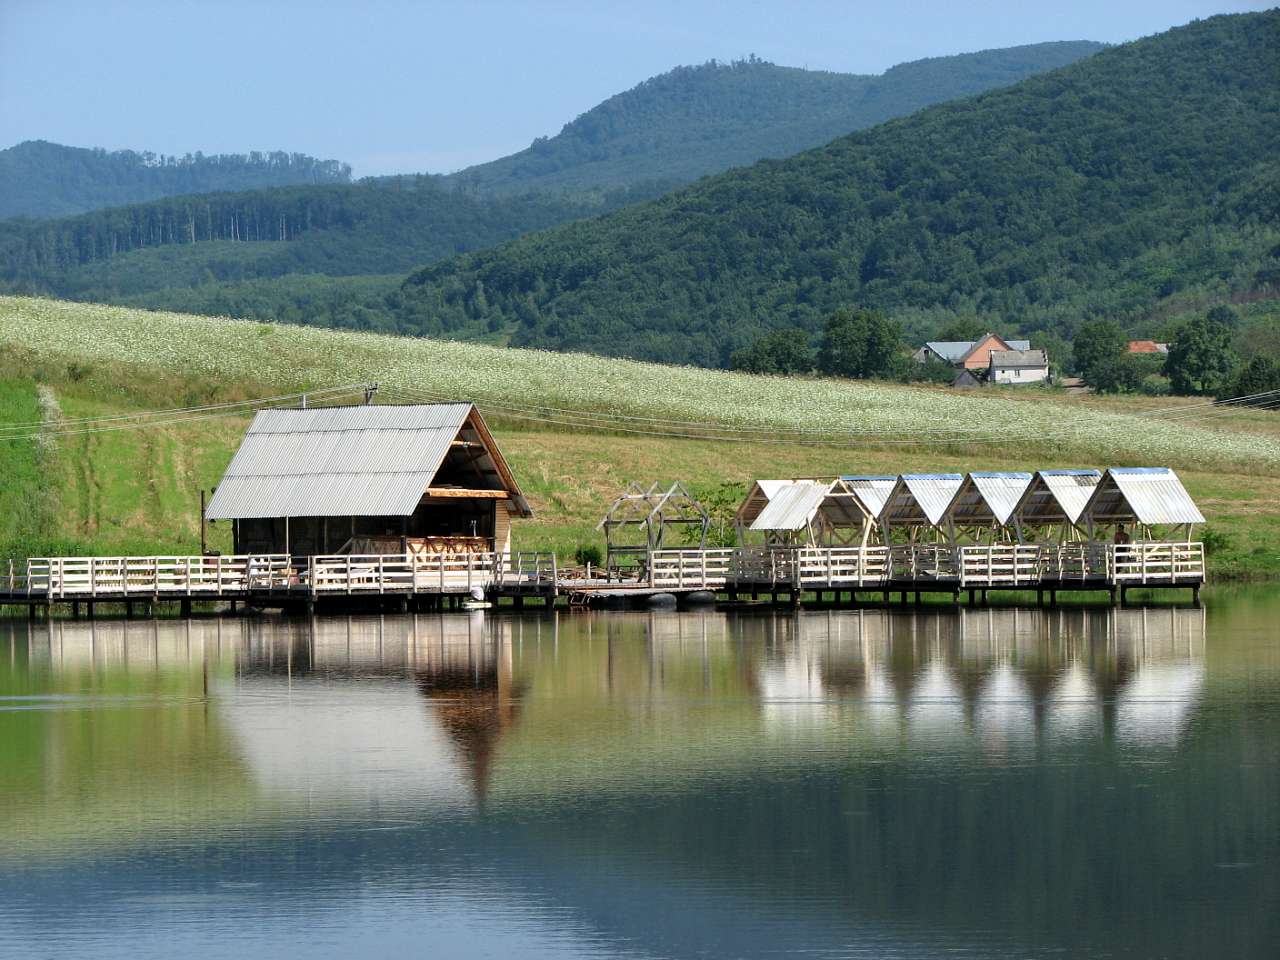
x=41 y=179
x=1148 y=171
x=693 y=121
x=385 y=226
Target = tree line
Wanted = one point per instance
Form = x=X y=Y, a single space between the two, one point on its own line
x=41 y=179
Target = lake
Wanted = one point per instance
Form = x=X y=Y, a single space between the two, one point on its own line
x=982 y=782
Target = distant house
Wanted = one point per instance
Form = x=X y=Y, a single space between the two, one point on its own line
x=1018 y=366
x=1147 y=346
x=968 y=354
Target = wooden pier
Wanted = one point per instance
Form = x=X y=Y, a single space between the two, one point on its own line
x=435 y=580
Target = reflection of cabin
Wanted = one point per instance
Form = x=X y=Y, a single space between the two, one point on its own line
x=372 y=479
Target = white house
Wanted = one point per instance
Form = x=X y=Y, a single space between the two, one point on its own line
x=1018 y=366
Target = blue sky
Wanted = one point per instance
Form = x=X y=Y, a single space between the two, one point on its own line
x=393 y=86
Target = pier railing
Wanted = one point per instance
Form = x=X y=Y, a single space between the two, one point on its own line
x=1001 y=564
x=89 y=578
x=1159 y=562
x=438 y=572
x=690 y=568
x=944 y=566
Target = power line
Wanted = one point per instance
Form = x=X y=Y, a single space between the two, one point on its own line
x=56 y=429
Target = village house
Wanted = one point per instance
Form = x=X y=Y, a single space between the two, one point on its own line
x=989 y=359
x=967 y=354
x=1018 y=366
x=1148 y=346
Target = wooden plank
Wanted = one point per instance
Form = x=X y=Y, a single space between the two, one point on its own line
x=464 y=493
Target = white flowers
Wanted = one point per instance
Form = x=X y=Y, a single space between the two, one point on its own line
x=990 y=429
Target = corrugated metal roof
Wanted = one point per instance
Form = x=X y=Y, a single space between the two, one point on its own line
x=1057 y=496
x=337 y=461
x=950 y=350
x=1019 y=358
x=871 y=491
x=1150 y=495
x=792 y=506
x=953 y=351
x=921 y=497
x=758 y=497
x=986 y=496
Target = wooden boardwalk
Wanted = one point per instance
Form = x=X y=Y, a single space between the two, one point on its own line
x=434 y=580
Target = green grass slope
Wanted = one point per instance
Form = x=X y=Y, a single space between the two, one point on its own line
x=1144 y=172
x=575 y=428
x=694 y=121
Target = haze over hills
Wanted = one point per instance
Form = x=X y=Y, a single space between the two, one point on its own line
x=42 y=179
x=693 y=121
x=1145 y=173
x=221 y=253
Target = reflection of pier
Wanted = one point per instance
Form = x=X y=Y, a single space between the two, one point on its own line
x=446 y=709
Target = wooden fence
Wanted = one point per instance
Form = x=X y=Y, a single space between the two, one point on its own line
x=88 y=578
x=789 y=568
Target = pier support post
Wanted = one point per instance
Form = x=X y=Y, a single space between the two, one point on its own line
x=1053 y=598
x=971 y=596
x=128 y=609
x=795 y=598
x=75 y=610
x=184 y=607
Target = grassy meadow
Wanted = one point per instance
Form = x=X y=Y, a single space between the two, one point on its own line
x=127 y=490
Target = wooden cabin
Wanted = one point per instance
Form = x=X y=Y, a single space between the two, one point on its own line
x=394 y=479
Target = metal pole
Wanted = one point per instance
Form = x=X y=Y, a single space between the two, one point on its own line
x=202 y=524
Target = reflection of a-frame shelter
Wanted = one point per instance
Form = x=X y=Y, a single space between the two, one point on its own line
x=813 y=513
x=637 y=521
x=1140 y=504
x=980 y=510
x=1050 y=507
x=915 y=506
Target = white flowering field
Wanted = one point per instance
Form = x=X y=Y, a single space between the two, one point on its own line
x=782 y=409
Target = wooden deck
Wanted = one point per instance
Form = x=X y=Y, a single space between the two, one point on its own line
x=433 y=579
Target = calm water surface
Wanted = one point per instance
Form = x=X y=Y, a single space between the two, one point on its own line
x=973 y=783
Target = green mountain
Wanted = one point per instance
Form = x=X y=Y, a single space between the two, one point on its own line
x=274 y=253
x=42 y=179
x=694 y=121
x=1112 y=187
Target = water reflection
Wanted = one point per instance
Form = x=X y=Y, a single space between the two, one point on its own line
x=858 y=783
